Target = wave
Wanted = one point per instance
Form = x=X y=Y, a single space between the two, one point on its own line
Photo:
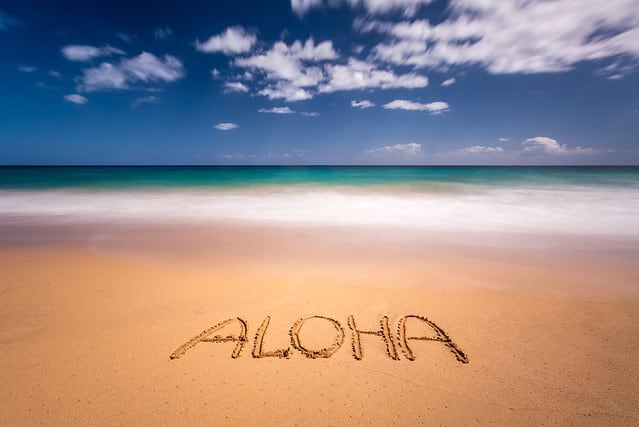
x=572 y=210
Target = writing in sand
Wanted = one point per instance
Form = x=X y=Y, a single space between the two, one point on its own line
x=402 y=337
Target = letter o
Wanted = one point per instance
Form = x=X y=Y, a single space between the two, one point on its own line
x=324 y=352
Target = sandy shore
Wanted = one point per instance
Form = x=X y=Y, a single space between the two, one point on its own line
x=89 y=318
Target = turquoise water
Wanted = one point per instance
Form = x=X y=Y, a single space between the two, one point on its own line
x=602 y=201
x=246 y=176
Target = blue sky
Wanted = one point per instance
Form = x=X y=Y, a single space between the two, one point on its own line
x=319 y=82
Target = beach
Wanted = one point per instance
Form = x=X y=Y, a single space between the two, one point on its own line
x=97 y=294
x=319 y=213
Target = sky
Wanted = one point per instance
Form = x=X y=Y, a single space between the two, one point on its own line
x=495 y=82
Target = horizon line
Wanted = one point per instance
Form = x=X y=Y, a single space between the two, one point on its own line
x=309 y=165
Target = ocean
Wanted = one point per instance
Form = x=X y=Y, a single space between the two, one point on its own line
x=602 y=201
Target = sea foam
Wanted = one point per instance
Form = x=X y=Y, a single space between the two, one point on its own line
x=586 y=211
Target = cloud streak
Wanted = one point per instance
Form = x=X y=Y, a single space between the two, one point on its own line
x=151 y=99
x=449 y=82
x=76 y=99
x=276 y=110
x=372 y=7
x=287 y=110
x=83 y=53
x=411 y=148
x=235 y=87
x=27 y=69
x=480 y=149
x=356 y=74
x=513 y=36
x=363 y=104
x=141 y=69
x=226 y=126
x=433 y=108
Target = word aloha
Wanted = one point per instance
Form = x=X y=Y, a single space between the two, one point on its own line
x=384 y=332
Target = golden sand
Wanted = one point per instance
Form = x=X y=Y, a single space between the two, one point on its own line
x=88 y=324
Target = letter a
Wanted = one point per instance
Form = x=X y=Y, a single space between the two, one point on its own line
x=383 y=332
x=204 y=337
x=441 y=337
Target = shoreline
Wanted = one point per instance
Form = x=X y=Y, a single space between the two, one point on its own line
x=589 y=266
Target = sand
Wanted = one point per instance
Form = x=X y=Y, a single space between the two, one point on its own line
x=90 y=317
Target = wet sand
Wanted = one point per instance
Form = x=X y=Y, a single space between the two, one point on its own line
x=89 y=317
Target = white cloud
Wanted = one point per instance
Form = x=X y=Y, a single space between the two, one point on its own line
x=27 y=69
x=503 y=139
x=358 y=74
x=144 y=68
x=514 y=36
x=549 y=145
x=365 y=103
x=145 y=100
x=162 y=33
x=286 y=91
x=276 y=110
x=233 y=41
x=83 y=53
x=287 y=110
x=226 y=126
x=215 y=73
x=436 y=107
x=299 y=71
x=405 y=149
x=479 y=149
x=400 y=52
x=76 y=99
x=407 y=7
x=300 y=7
x=148 y=67
x=235 y=87
x=290 y=68
x=55 y=74
x=283 y=62
x=449 y=82
x=104 y=77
